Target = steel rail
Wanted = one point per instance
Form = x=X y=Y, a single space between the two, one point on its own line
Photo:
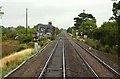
x=101 y=61
x=87 y=64
x=64 y=71
x=47 y=62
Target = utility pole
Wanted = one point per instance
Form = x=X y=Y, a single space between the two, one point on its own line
x=26 y=20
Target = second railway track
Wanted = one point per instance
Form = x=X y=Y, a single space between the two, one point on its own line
x=65 y=58
x=99 y=67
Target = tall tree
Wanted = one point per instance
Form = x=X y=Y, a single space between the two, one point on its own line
x=78 y=21
x=87 y=27
x=84 y=22
x=116 y=13
x=83 y=17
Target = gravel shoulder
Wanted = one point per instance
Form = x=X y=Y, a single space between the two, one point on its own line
x=101 y=70
x=75 y=67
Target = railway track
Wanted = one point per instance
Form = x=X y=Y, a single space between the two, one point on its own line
x=7 y=76
x=96 y=65
x=53 y=67
x=74 y=64
x=82 y=62
x=102 y=62
x=55 y=64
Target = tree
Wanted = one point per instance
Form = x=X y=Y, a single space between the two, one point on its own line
x=69 y=30
x=107 y=34
x=86 y=16
x=83 y=17
x=82 y=22
x=87 y=27
x=8 y=33
x=116 y=13
x=72 y=30
x=57 y=31
x=78 y=21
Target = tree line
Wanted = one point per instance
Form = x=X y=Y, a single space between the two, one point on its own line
x=107 y=34
x=19 y=33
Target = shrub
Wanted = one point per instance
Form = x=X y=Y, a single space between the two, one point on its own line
x=52 y=38
x=40 y=43
x=107 y=48
x=22 y=46
x=98 y=44
x=25 y=39
x=115 y=47
x=91 y=43
x=30 y=44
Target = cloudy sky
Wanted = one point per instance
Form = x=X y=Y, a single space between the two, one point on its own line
x=60 y=12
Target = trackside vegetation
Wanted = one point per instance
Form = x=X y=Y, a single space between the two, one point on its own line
x=105 y=37
x=15 y=60
x=19 y=45
x=16 y=39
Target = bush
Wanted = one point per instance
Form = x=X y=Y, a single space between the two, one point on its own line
x=22 y=46
x=25 y=39
x=30 y=44
x=52 y=38
x=91 y=43
x=41 y=43
x=115 y=47
x=42 y=39
x=98 y=44
x=107 y=48
x=4 y=37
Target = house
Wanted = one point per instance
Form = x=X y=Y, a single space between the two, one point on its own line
x=45 y=30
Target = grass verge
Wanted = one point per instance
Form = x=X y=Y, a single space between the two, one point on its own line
x=10 y=62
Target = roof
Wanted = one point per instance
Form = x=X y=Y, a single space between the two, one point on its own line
x=45 y=26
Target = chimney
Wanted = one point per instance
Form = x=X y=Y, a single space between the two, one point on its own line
x=50 y=23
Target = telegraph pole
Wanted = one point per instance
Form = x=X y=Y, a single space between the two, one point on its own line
x=83 y=22
x=26 y=20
